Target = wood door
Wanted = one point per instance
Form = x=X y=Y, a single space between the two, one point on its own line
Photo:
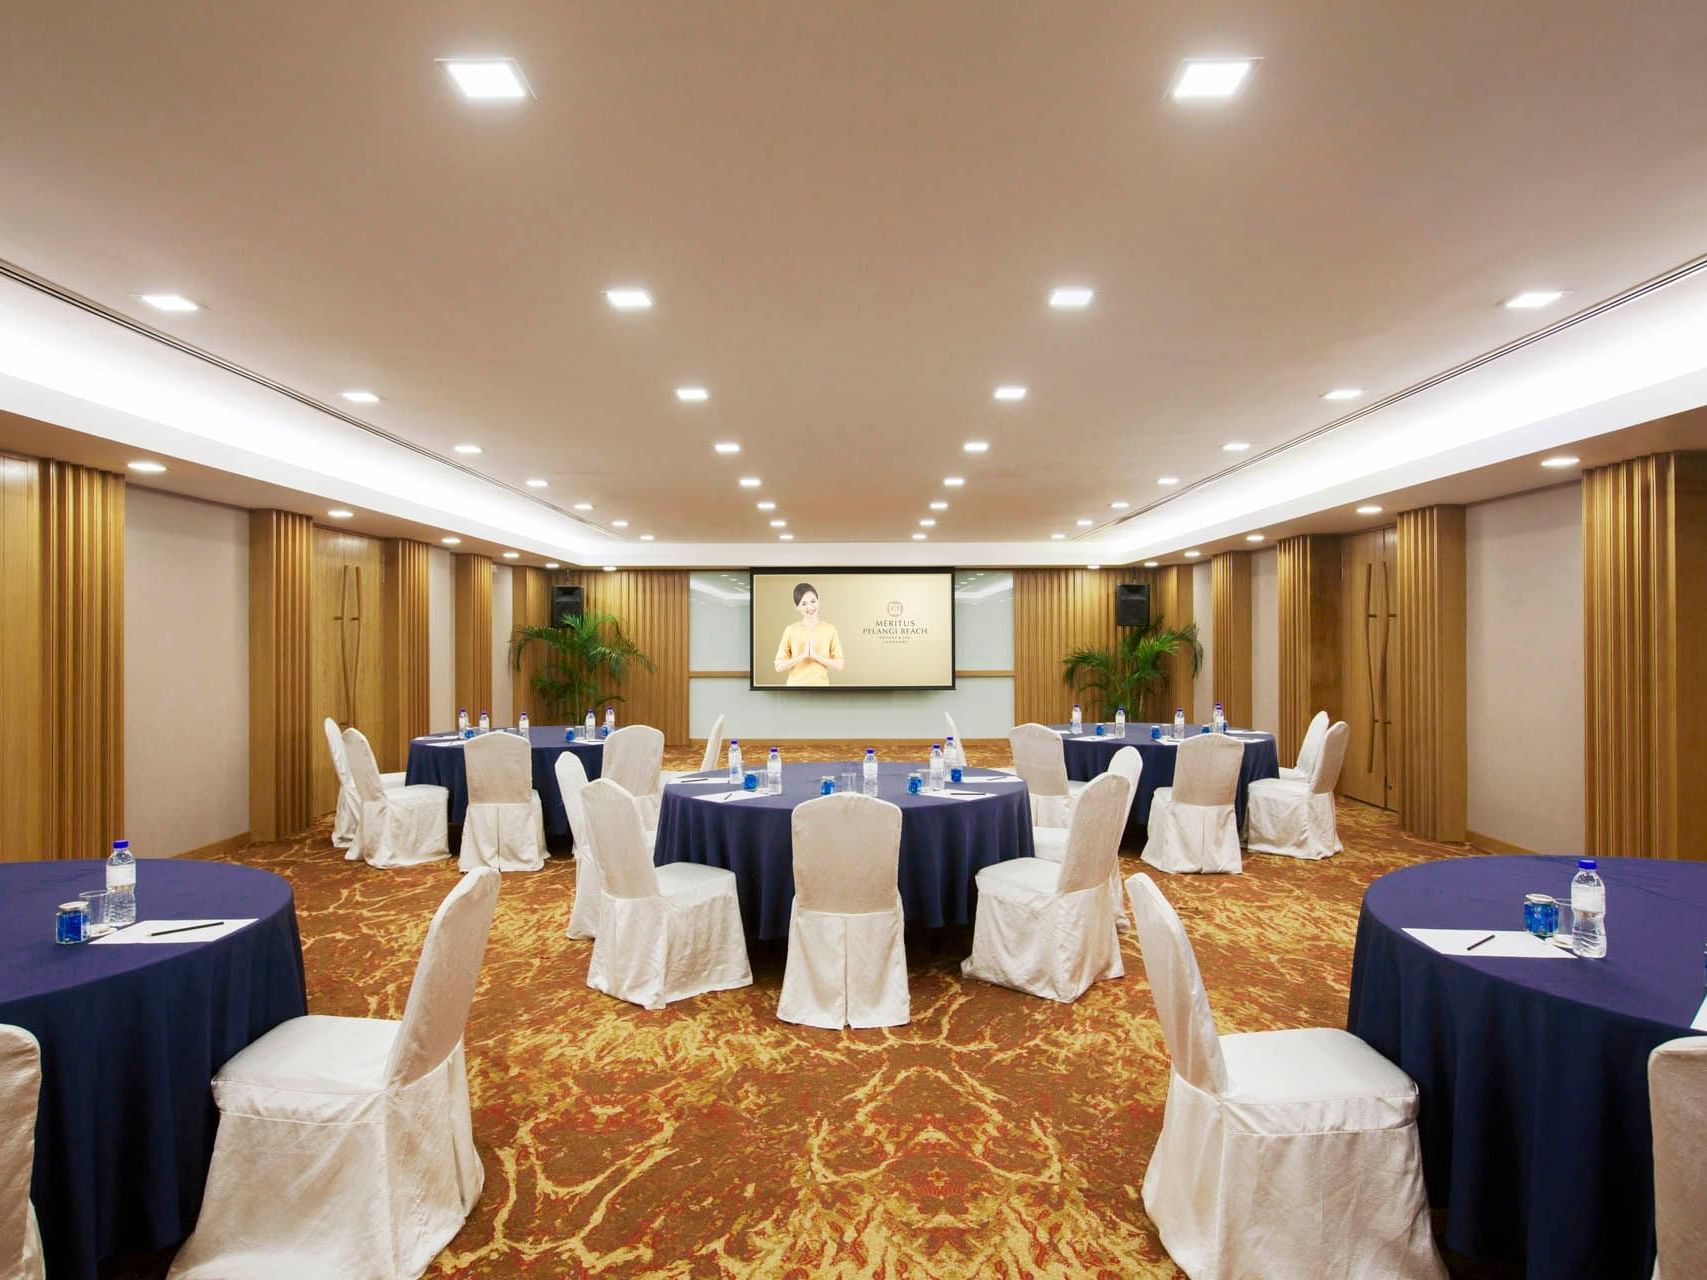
x=1369 y=584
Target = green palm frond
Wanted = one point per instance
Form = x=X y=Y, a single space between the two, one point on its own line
x=581 y=656
x=1134 y=672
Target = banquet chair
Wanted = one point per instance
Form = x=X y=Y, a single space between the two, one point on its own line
x=847 y=962
x=664 y=933
x=398 y=827
x=589 y=884
x=633 y=758
x=713 y=752
x=1051 y=842
x=1282 y=1153
x=345 y=1145
x=349 y=813
x=1297 y=818
x=1314 y=736
x=1047 y=928
x=504 y=827
x=1041 y=760
x=1193 y=826
x=20 y=1093
x=1677 y=1098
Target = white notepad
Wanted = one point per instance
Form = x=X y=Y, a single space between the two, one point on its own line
x=1506 y=944
x=724 y=797
x=698 y=782
x=146 y=931
x=995 y=777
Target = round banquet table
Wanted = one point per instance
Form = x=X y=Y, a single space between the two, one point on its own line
x=945 y=841
x=437 y=759
x=131 y=1036
x=1534 y=1072
x=1088 y=757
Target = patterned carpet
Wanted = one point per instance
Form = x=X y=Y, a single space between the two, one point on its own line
x=996 y=1135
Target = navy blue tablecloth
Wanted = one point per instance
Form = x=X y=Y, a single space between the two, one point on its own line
x=944 y=842
x=1088 y=757
x=131 y=1036
x=442 y=766
x=1535 y=1130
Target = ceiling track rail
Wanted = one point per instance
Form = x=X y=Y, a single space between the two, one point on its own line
x=40 y=284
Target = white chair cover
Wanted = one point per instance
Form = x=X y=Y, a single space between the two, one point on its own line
x=1309 y=749
x=713 y=752
x=400 y=827
x=1193 y=825
x=1050 y=843
x=633 y=759
x=504 y=826
x=1677 y=1098
x=663 y=933
x=1047 y=928
x=1297 y=818
x=349 y=812
x=1041 y=760
x=1282 y=1153
x=847 y=962
x=345 y=1145
x=589 y=884
x=20 y=1093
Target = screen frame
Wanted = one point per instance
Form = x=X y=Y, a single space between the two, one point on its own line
x=826 y=690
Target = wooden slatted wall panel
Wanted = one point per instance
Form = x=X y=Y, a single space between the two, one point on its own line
x=472 y=627
x=1309 y=601
x=1644 y=629
x=1230 y=586
x=281 y=682
x=1430 y=674
x=530 y=606
x=23 y=767
x=347 y=636
x=83 y=658
x=407 y=689
x=1369 y=655
x=1173 y=605
x=652 y=606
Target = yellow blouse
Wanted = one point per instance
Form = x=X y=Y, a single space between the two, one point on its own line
x=824 y=641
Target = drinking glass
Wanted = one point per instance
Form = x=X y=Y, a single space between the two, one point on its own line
x=98 y=922
x=849 y=782
x=827 y=785
x=1541 y=915
x=915 y=782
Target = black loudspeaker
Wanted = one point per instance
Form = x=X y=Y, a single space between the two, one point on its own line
x=570 y=602
x=1132 y=604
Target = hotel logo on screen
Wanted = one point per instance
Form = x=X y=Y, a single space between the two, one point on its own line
x=896 y=628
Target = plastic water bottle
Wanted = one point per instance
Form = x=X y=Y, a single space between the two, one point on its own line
x=1588 y=911
x=773 y=772
x=121 y=885
x=592 y=726
x=610 y=720
x=1179 y=724
x=1220 y=719
x=734 y=755
x=522 y=724
x=871 y=771
x=461 y=719
x=1120 y=722
x=1078 y=721
x=950 y=753
x=936 y=768
x=485 y=723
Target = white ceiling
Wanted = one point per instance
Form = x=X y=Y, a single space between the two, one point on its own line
x=850 y=217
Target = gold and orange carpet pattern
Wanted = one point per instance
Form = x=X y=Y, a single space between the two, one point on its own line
x=996 y=1135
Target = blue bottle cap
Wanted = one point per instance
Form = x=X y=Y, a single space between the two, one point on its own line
x=1585 y=864
x=734 y=742
x=121 y=844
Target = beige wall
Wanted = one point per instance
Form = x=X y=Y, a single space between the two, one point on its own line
x=441 y=639
x=1524 y=633
x=186 y=686
x=1265 y=643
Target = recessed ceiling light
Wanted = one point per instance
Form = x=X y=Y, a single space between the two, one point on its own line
x=338 y=513
x=629 y=298
x=727 y=446
x=148 y=468
x=953 y=482
x=1563 y=460
x=1152 y=564
x=451 y=542
x=552 y=564
x=750 y=482
x=534 y=482
x=1235 y=446
x=927 y=524
x=939 y=505
x=1192 y=555
x=785 y=537
x=1201 y=79
x=648 y=537
x=1093 y=566
x=169 y=302
x=1071 y=297
x=918 y=537
x=487 y=79
x=1369 y=509
x=1253 y=537
x=1530 y=299
x=1167 y=479
x=1083 y=524
x=512 y=555
x=361 y=397
x=469 y=449
x=1343 y=393
x=583 y=506
x=609 y=568
x=765 y=506
x=1056 y=537
x=1118 y=506
x=692 y=395
x=779 y=524
x=976 y=446
x=1010 y=393
x=619 y=524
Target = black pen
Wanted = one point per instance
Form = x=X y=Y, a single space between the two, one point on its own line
x=1479 y=941
x=190 y=928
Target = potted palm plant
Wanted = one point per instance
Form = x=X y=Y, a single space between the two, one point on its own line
x=585 y=659
x=1133 y=673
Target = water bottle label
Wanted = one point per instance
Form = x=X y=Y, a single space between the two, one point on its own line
x=121 y=877
x=1588 y=897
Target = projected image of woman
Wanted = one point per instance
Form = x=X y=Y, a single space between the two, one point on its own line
x=810 y=649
